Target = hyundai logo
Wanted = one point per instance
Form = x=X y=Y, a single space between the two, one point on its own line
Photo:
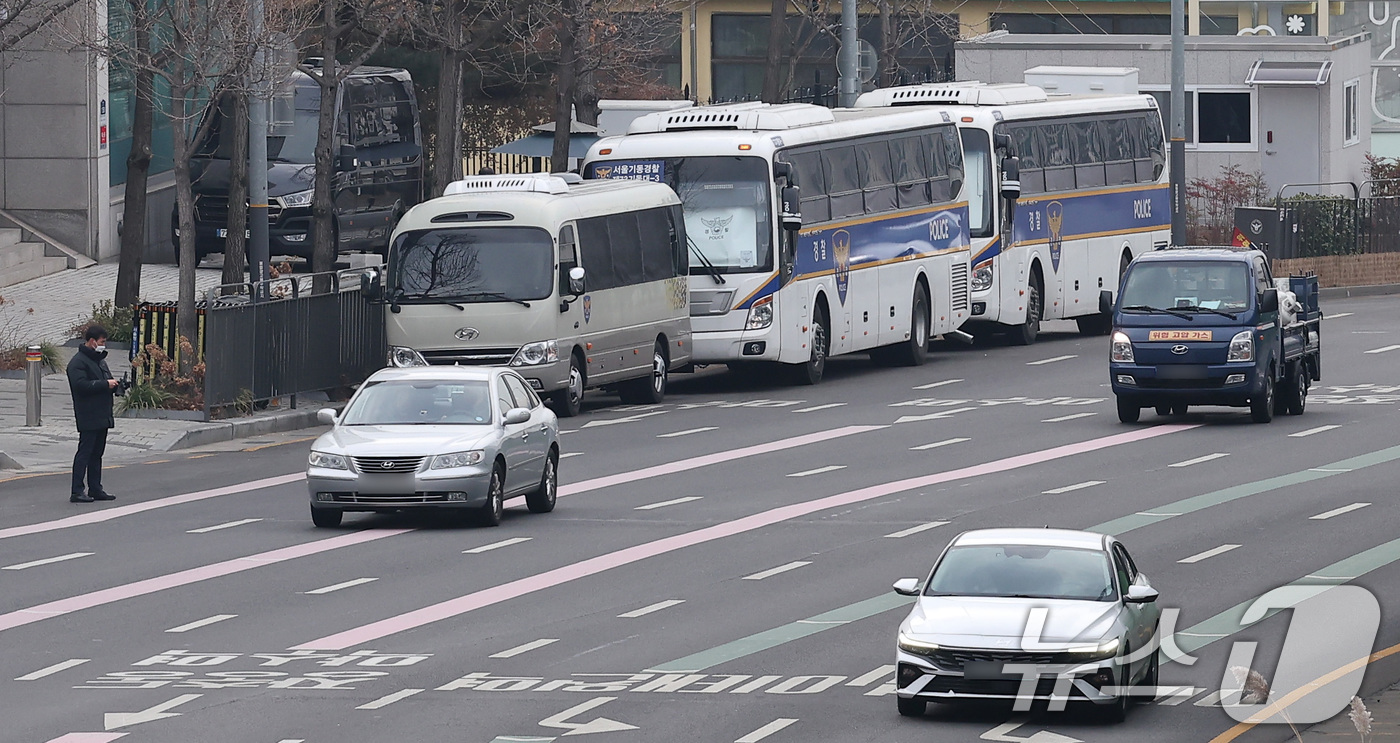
x=467 y=334
x=386 y=464
x=1179 y=349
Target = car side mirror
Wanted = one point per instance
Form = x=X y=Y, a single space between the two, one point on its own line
x=1011 y=178
x=347 y=158
x=371 y=287
x=576 y=280
x=1268 y=301
x=1105 y=302
x=1141 y=595
x=907 y=586
x=791 y=212
x=326 y=416
x=516 y=416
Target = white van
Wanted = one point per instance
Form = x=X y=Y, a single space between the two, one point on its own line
x=573 y=284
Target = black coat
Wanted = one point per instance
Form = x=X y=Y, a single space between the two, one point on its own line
x=92 y=395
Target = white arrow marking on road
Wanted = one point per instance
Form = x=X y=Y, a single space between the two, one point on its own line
x=624 y=419
x=597 y=725
x=931 y=385
x=1002 y=733
x=932 y=416
x=114 y=720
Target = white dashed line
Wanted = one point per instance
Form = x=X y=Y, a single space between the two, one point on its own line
x=1384 y=349
x=51 y=670
x=340 y=586
x=1311 y=431
x=915 y=529
x=815 y=408
x=46 y=561
x=645 y=610
x=1338 y=511
x=1052 y=360
x=568 y=454
x=819 y=470
x=770 y=572
x=201 y=623
x=766 y=730
x=385 y=701
x=1070 y=417
x=1222 y=549
x=687 y=432
x=217 y=527
x=496 y=545
x=1340 y=315
x=527 y=647
x=665 y=503
x=936 y=444
x=931 y=385
x=1072 y=488
x=1198 y=460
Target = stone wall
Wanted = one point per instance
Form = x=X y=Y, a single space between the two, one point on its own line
x=1345 y=270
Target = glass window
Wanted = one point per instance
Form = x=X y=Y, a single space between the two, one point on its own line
x=807 y=169
x=909 y=165
x=953 y=158
x=1187 y=285
x=1164 y=105
x=680 y=253
x=739 y=35
x=518 y=391
x=595 y=248
x=977 y=154
x=382 y=118
x=1224 y=118
x=1124 y=578
x=626 y=248
x=419 y=402
x=842 y=182
x=1127 y=560
x=657 y=244
x=1027 y=140
x=1059 y=149
x=876 y=175
x=1023 y=571
x=1349 y=126
x=1116 y=142
x=472 y=264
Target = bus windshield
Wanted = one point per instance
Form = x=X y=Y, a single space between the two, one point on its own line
x=472 y=264
x=977 y=157
x=725 y=201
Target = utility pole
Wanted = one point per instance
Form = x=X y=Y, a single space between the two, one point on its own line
x=847 y=61
x=1177 y=162
x=259 y=257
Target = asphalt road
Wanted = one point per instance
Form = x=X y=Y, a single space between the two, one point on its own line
x=718 y=568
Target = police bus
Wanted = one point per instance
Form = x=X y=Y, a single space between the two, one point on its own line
x=1092 y=194
x=812 y=232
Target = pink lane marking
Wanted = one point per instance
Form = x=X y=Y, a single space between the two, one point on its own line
x=69 y=605
x=514 y=589
x=88 y=738
x=107 y=514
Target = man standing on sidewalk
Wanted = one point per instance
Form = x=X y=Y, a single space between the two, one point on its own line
x=92 y=386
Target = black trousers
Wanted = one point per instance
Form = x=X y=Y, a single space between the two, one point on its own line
x=88 y=460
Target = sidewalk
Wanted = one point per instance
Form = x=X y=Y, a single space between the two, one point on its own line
x=1385 y=722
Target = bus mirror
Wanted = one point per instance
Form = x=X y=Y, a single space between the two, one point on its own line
x=1105 y=302
x=371 y=287
x=782 y=170
x=576 y=285
x=1011 y=178
x=791 y=211
x=1002 y=142
x=347 y=158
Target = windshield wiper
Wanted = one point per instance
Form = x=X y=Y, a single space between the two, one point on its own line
x=1163 y=310
x=401 y=294
x=709 y=267
x=498 y=295
x=1198 y=308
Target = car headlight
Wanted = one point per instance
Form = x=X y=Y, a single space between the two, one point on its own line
x=982 y=276
x=405 y=356
x=1122 y=350
x=457 y=459
x=1242 y=346
x=326 y=461
x=1101 y=651
x=534 y=354
x=300 y=198
x=917 y=647
x=760 y=314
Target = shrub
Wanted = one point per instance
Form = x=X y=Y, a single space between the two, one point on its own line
x=1211 y=202
x=115 y=320
x=182 y=392
x=13 y=359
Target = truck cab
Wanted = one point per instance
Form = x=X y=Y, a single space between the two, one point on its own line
x=1202 y=326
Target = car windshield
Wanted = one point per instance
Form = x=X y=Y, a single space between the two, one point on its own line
x=473 y=264
x=1023 y=571
x=420 y=403
x=1213 y=285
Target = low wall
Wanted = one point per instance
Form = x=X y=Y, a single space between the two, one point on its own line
x=1345 y=270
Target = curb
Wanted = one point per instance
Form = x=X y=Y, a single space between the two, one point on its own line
x=220 y=431
x=1373 y=290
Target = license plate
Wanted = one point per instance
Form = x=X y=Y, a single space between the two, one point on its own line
x=223 y=232
x=1179 y=335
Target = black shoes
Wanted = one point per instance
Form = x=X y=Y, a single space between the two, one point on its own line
x=80 y=498
x=103 y=496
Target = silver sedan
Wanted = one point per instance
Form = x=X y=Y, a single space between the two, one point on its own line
x=1029 y=615
x=459 y=438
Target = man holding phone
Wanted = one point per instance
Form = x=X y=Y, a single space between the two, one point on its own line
x=93 y=388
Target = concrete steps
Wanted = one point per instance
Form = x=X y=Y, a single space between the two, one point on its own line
x=22 y=261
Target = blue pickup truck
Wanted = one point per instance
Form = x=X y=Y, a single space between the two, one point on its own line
x=1204 y=326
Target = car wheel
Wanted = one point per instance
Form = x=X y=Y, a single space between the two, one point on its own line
x=326 y=518
x=1296 y=397
x=650 y=389
x=911 y=707
x=1261 y=408
x=542 y=500
x=495 y=507
x=1026 y=333
x=569 y=401
x=1128 y=411
x=1150 y=679
x=1117 y=711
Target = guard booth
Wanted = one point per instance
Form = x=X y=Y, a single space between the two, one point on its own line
x=1272 y=229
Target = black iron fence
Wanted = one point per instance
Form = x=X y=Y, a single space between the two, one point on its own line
x=1335 y=225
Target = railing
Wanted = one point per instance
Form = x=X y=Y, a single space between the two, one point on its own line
x=1335 y=225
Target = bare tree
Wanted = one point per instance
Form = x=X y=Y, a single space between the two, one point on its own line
x=773 y=82
x=235 y=109
x=912 y=28
x=20 y=19
x=138 y=160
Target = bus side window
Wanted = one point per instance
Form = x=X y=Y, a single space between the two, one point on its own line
x=568 y=256
x=876 y=175
x=1059 y=157
x=842 y=182
x=807 y=167
x=595 y=252
x=911 y=172
x=657 y=244
x=1088 y=153
x=1118 y=152
x=1028 y=148
x=626 y=248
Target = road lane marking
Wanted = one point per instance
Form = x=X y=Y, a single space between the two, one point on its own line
x=217 y=527
x=645 y=610
x=97 y=517
x=389 y=699
x=872 y=677
x=568 y=454
x=1052 y=360
x=1338 y=511
x=1311 y=431
x=201 y=623
x=915 y=529
x=766 y=730
x=931 y=385
x=1069 y=417
x=819 y=470
x=1384 y=349
x=625 y=419
x=342 y=586
x=88 y=738
x=51 y=609
x=1340 y=315
x=496 y=545
x=1072 y=488
x=940 y=415
x=815 y=408
x=936 y=444
x=522 y=649
x=663 y=504
x=51 y=670
x=687 y=432
x=580 y=569
x=770 y=572
x=47 y=561
x=1222 y=549
x=271 y=444
x=1199 y=460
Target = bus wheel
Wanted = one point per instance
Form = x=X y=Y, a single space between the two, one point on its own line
x=1025 y=333
x=811 y=372
x=651 y=388
x=913 y=352
x=569 y=401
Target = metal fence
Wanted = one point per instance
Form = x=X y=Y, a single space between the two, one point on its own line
x=1334 y=225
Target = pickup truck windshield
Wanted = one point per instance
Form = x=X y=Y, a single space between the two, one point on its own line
x=1222 y=286
x=472 y=264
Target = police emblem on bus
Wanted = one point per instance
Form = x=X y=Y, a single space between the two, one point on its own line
x=1054 y=219
x=716 y=228
x=841 y=247
x=601 y=171
x=467 y=334
x=587 y=308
